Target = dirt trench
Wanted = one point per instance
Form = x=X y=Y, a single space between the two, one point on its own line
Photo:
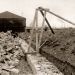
x=64 y=67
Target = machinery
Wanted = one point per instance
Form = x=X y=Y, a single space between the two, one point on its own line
x=35 y=26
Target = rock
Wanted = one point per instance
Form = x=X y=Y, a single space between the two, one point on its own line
x=5 y=73
x=14 y=70
x=9 y=50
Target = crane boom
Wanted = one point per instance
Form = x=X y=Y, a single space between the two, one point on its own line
x=42 y=9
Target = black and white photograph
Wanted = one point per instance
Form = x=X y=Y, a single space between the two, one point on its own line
x=37 y=37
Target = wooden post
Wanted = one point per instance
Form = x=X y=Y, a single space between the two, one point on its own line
x=33 y=27
x=37 y=43
x=47 y=22
x=43 y=23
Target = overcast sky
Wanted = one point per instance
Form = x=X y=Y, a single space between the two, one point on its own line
x=26 y=8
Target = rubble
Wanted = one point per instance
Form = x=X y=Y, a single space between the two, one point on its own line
x=10 y=53
x=59 y=49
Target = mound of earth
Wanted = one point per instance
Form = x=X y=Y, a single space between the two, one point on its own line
x=61 y=44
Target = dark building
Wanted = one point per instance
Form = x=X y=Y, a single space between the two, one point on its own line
x=10 y=21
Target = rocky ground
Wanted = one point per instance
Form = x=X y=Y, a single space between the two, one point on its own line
x=12 y=59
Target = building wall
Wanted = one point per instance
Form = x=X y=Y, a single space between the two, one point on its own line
x=16 y=25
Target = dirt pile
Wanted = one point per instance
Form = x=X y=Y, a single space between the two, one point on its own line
x=61 y=44
x=10 y=53
x=62 y=39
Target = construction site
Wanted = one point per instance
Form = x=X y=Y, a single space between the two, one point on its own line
x=36 y=50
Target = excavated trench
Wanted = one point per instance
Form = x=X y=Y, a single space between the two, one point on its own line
x=65 y=67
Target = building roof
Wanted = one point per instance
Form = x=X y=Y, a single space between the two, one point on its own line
x=8 y=14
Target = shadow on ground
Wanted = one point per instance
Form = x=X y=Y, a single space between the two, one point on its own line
x=64 y=67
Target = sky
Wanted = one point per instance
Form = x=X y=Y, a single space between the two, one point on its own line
x=26 y=8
